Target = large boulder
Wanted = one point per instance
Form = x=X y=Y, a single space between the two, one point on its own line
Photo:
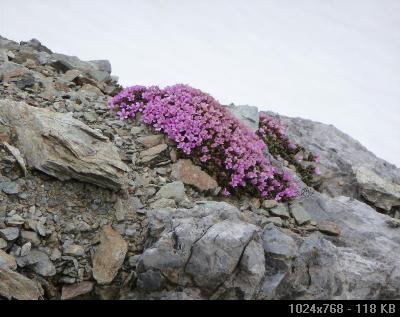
x=341 y=158
x=63 y=147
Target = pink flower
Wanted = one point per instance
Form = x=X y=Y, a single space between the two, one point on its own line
x=200 y=126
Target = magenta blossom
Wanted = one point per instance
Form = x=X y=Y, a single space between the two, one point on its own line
x=207 y=132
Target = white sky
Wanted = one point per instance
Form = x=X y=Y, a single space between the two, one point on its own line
x=334 y=61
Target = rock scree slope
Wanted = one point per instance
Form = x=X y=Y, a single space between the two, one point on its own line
x=94 y=207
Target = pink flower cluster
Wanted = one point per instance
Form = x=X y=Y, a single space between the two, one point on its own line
x=210 y=134
x=274 y=135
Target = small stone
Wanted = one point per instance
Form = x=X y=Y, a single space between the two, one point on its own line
x=133 y=260
x=163 y=203
x=41 y=229
x=90 y=117
x=281 y=210
x=255 y=202
x=275 y=220
x=152 y=153
x=7 y=261
x=136 y=130
x=191 y=174
x=55 y=255
x=109 y=256
x=3 y=244
x=74 y=250
x=26 y=248
x=120 y=215
x=10 y=188
x=174 y=190
x=9 y=234
x=268 y=204
x=150 y=140
x=131 y=230
x=300 y=215
x=393 y=222
x=278 y=243
x=75 y=290
x=39 y=262
x=15 y=220
x=30 y=236
x=328 y=227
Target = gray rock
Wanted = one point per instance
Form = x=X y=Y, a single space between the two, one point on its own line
x=10 y=188
x=15 y=220
x=380 y=192
x=174 y=190
x=30 y=236
x=251 y=271
x=150 y=280
x=74 y=250
x=216 y=254
x=19 y=75
x=299 y=214
x=277 y=221
x=3 y=243
x=26 y=249
x=247 y=114
x=277 y=243
x=340 y=154
x=102 y=65
x=280 y=211
x=268 y=204
x=39 y=262
x=63 y=147
x=9 y=234
x=163 y=203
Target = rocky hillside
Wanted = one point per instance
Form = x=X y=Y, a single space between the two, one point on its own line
x=94 y=207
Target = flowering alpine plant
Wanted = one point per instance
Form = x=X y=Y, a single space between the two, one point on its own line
x=273 y=134
x=210 y=135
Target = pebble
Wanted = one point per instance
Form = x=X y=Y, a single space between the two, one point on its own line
x=9 y=234
x=329 y=228
x=3 y=244
x=300 y=215
x=74 y=250
x=268 y=204
x=280 y=211
x=26 y=248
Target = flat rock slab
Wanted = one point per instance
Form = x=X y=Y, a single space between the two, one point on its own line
x=280 y=211
x=377 y=190
x=300 y=214
x=109 y=255
x=191 y=174
x=15 y=285
x=63 y=147
x=75 y=290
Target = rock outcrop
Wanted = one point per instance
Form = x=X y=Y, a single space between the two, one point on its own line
x=347 y=167
x=62 y=146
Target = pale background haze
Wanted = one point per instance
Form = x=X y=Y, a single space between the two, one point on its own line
x=335 y=61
